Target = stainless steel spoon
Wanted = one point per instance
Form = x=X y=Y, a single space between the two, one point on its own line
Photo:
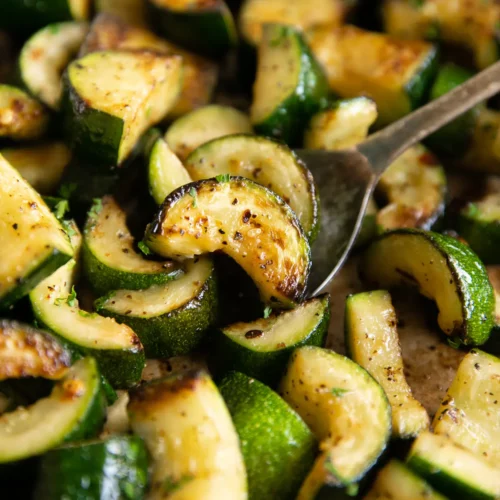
x=347 y=178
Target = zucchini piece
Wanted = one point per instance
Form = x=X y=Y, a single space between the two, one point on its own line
x=414 y=187
x=453 y=470
x=479 y=224
x=44 y=57
x=262 y=348
x=204 y=27
x=129 y=11
x=290 y=85
x=442 y=269
x=170 y=319
x=396 y=74
x=190 y=437
x=21 y=117
x=105 y=115
x=264 y=161
x=372 y=341
x=396 y=480
x=42 y=165
x=109 y=257
x=34 y=244
x=369 y=225
x=166 y=173
x=270 y=432
x=472 y=421
x=74 y=410
x=116 y=468
x=343 y=125
x=29 y=352
x=244 y=220
x=203 y=125
x=346 y=409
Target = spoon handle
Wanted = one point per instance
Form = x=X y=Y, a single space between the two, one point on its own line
x=382 y=148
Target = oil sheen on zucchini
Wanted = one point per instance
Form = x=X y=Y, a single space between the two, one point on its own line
x=372 y=341
x=394 y=73
x=34 y=244
x=346 y=409
x=105 y=114
x=190 y=437
x=442 y=269
x=290 y=85
x=262 y=348
x=270 y=432
x=244 y=220
x=75 y=409
x=170 y=319
x=264 y=161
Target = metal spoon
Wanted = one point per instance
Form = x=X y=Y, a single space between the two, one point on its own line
x=346 y=178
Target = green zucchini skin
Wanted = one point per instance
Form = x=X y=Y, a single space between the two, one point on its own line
x=268 y=366
x=116 y=468
x=277 y=446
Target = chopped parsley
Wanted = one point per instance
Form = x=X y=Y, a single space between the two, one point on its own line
x=193 y=194
x=96 y=207
x=70 y=299
x=339 y=392
x=144 y=248
x=61 y=208
x=223 y=178
x=267 y=312
x=66 y=190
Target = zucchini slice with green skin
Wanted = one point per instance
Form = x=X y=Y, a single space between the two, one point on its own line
x=29 y=352
x=109 y=257
x=114 y=468
x=42 y=165
x=479 y=224
x=203 y=125
x=74 y=410
x=453 y=470
x=34 y=244
x=394 y=73
x=372 y=341
x=414 y=187
x=396 y=480
x=262 y=348
x=244 y=220
x=343 y=125
x=267 y=162
x=170 y=319
x=270 y=432
x=44 y=57
x=290 y=85
x=190 y=437
x=442 y=269
x=204 y=27
x=166 y=173
x=346 y=409
x=105 y=117
x=469 y=420
x=21 y=117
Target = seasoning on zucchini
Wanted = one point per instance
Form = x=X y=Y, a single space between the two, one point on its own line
x=442 y=269
x=270 y=433
x=344 y=124
x=34 y=244
x=396 y=74
x=264 y=161
x=372 y=341
x=115 y=468
x=262 y=348
x=21 y=117
x=244 y=220
x=44 y=57
x=414 y=188
x=203 y=27
x=75 y=409
x=203 y=125
x=170 y=319
x=453 y=470
x=104 y=117
x=346 y=409
x=290 y=85
x=190 y=437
